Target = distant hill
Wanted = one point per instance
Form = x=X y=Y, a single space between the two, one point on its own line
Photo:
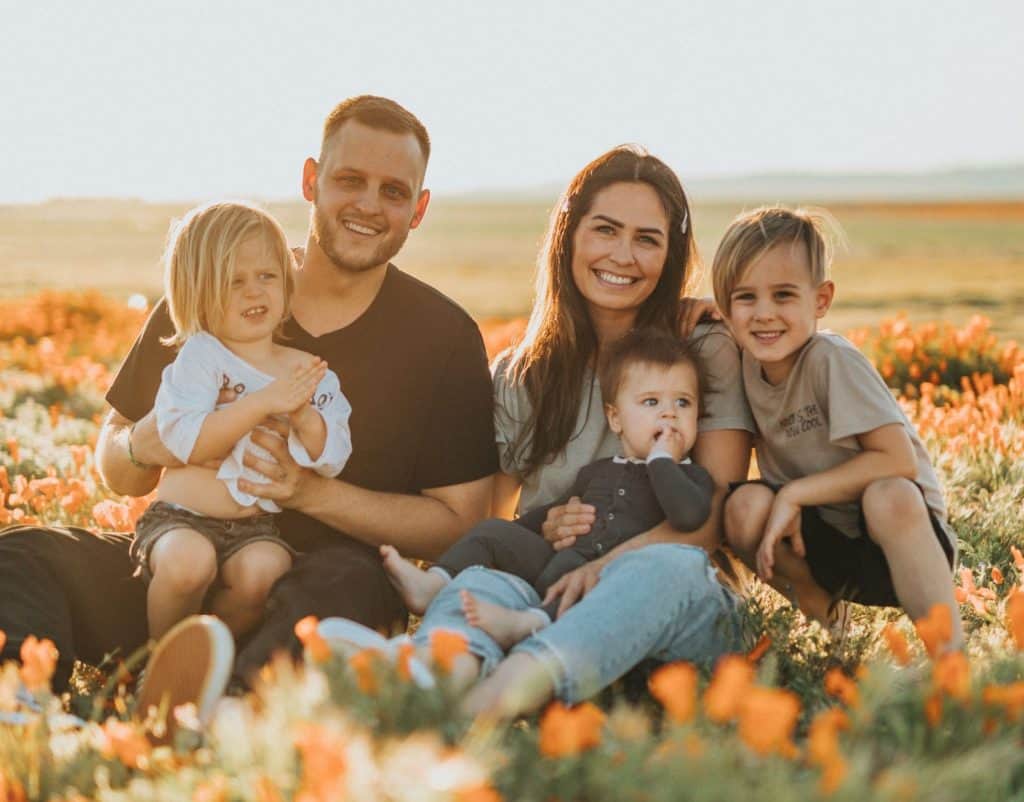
x=1002 y=182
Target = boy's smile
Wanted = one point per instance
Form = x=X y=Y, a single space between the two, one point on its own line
x=774 y=309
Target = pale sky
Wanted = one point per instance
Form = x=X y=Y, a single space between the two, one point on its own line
x=202 y=99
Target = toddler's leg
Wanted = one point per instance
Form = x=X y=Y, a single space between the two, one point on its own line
x=248 y=575
x=416 y=586
x=505 y=625
x=745 y=516
x=183 y=564
x=898 y=521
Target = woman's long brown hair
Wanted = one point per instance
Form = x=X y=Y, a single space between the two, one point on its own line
x=560 y=342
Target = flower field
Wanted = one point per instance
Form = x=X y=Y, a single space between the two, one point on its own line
x=885 y=715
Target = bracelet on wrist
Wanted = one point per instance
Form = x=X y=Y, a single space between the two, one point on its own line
x=131 y=455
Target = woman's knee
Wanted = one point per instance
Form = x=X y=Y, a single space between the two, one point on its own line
x=892 y=506
x=184 y=561
x=745 y=514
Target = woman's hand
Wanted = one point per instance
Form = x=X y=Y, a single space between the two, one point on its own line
x=567 y=522
x=693 y=310
x=283 y=474
x=576 y=584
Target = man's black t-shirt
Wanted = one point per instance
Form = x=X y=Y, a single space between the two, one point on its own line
x=414 y=368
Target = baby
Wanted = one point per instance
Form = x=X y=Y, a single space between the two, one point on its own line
x=653 y=384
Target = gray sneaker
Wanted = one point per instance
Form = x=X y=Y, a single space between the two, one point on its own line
x=189 y=664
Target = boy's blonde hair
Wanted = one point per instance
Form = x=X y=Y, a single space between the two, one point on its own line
x=752 y=234
x=199 y=261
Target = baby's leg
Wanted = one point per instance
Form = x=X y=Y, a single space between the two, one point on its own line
x=505 y=625
x=183 y=564
x=416 y=586
x=898 y=521
x=248 y=575
x=746 y=513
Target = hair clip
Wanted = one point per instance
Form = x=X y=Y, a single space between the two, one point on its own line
x=565 y=206
x=686 y=218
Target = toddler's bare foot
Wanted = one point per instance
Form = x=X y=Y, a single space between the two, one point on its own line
x=416 y=587
x=506 y=626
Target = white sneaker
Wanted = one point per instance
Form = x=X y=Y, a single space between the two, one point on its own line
x=348 y=637
x=189 y=664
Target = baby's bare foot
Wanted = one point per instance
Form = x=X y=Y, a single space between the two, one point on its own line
x=506 y=626
x=416 y=586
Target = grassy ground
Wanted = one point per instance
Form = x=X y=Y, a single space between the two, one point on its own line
x=936 y=261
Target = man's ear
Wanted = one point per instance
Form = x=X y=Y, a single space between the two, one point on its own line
x=309 y=169
x=612 y=414
x=823 y=297
x=422 y=202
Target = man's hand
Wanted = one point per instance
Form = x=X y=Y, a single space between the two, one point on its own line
x=576 y=584
x=783 y=522
x=284 y=476
x=567 y=522
x=693 y=310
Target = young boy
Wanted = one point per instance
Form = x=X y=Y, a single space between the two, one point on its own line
x=848 y=506
x=653 y=381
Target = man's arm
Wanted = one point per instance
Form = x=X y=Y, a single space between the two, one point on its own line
x=115 y=466
x=420 y=526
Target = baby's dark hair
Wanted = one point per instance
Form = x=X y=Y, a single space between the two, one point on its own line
x=644 y=347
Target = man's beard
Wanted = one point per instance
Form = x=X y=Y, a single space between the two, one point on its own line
x=324 y=232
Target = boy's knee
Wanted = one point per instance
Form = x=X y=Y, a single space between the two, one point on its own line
x=892 y=503
x=745 y=514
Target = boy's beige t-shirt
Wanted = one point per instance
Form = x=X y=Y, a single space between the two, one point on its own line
x=724 y=408
x=809 y=423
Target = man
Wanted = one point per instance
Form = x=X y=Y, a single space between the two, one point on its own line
x=411 y=363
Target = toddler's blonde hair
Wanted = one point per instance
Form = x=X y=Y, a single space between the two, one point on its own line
x=199 y=261
x=752 y=234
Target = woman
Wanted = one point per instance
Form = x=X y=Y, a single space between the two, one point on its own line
x=618 y=255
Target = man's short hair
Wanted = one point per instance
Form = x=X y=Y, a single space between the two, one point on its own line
x=753 y=234
x=375 y=112
x=643 y=347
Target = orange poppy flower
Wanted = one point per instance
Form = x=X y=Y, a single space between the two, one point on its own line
x=951 y=675
x=363 y=665
x=997 y=575
x=1018 y=558
x=266 y=790
x=897 y=644
x=1015 y=619
x=478 y=793
x=767 y=719
x=324 y=764
x=933 y=709
x=566 y=731
x=733 y=676
x=308 y=634
x=15 y=452
x=935 y=629
x=446 y=646
x=675 y=687
x=839 y=685
x=405 y=653
x=38 y=662
x=1010 y=697
x=125 y=741
x=832 y=775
